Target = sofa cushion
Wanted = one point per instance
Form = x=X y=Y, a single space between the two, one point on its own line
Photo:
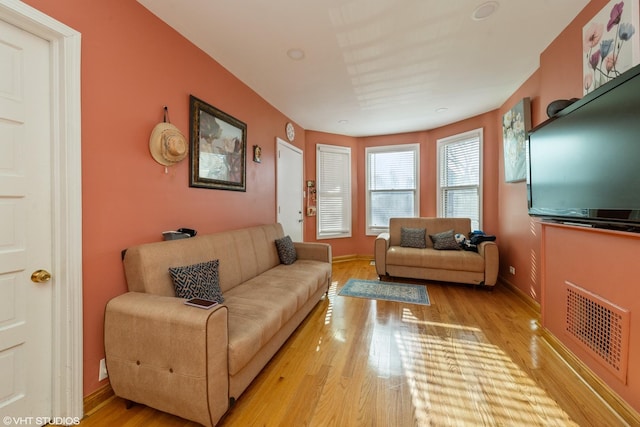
x=260 y=307
x=255 y=316
x=311 y=274
x=445 y=241
x=197 y=281
x=243 y=254
x=286 y=250
x=413 y=237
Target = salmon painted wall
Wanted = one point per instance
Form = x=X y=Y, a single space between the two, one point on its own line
x=575 y=255
x=559 y=77
x=361 y=244
x=132 y=65
x=609 y=263
x=519 y=233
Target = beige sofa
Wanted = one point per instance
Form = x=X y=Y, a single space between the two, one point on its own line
x=193 y=362
x=392 y=259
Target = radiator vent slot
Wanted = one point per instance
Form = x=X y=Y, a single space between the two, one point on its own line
x=599 y=327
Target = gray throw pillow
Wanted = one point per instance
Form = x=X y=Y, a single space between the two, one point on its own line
x=445 y=241
x=198 y=281
x=286 y=250
x=413 y=237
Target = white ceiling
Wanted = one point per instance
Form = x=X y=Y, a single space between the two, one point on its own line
x=383 y=66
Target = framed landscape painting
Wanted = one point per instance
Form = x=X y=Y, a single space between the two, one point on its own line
x=218 y=148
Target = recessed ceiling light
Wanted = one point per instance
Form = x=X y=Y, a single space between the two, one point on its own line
x=295 y=54
x=441 y=109
x=343 y=122
x=484 y=11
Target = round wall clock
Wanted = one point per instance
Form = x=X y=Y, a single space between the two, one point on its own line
x=291 y=132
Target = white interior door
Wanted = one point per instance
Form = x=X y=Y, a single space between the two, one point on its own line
x=25 y=225
x=290 y=193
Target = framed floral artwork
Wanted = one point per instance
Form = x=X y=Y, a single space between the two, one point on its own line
x=610 y=43
x=218 y=148
x=515 y=124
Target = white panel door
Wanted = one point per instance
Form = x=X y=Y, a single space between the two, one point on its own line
x=290 y=190
x=25 y=224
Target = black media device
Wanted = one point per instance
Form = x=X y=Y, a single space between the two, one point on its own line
x=201 y=303
x=584 y=163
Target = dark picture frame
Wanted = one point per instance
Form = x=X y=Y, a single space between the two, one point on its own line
x=257 y=153
x=218 y=148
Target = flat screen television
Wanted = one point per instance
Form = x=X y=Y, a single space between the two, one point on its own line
x=584 y=163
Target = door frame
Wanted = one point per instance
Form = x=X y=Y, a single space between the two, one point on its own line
x=284 y=144
x=67 y=350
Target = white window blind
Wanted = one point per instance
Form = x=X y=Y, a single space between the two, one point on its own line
x=392 y=185
x=459 y=177
x=333 y=164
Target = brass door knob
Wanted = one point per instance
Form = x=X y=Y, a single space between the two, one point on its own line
x=40 y=276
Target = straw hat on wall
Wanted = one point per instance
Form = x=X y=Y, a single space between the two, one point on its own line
x=167 y=144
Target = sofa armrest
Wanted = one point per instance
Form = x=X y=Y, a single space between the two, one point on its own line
x=380 y=253
x=313 y=251
x=489 y=251
x=167 y=355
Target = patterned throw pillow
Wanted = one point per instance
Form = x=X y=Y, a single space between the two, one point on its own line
x=198 y=281
x=286 y=250
x=445 y=241
x=413 y=237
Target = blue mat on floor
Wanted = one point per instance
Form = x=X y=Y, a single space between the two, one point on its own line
x=376 y=289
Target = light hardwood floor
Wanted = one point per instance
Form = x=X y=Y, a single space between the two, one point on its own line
x=472 y=358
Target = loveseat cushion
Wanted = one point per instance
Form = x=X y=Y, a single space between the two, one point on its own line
x=432 y=225
x=198 y=281
x=413 y=237
x=445 y=241
x=436 y=259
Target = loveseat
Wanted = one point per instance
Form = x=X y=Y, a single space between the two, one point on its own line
x=402 y=253
x=194 y=362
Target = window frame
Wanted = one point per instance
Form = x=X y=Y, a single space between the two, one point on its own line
x=347 y=216
x=415 y=147
x=458 y=139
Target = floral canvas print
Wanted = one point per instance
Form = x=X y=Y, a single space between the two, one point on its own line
x=610 y=43
x=515 y=125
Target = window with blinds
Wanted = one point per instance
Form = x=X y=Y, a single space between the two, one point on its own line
x=392 y=184
x=459 y=177
x=333 y=191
